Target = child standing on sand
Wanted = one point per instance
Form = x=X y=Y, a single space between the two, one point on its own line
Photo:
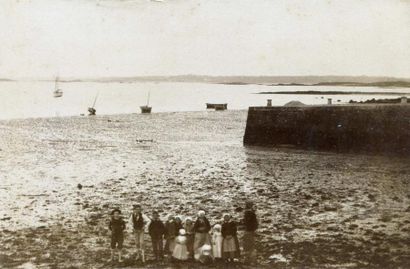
x=201 y=229
x=117 y=227
x=170 y=234
x=217 y=241
x=250 y=222
x=189 y=229
x=229 y=233
x=156 y=230
x=180 y=250
x=139 y=222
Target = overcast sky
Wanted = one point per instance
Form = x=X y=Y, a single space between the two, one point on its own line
x=42 y=38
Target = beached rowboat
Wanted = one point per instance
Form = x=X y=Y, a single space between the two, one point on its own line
x=217 y=106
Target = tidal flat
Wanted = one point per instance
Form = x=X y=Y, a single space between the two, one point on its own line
x=316 y=209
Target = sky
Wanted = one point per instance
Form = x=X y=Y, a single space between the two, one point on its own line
x=102 y=38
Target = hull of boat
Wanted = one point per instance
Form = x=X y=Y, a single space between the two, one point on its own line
x=145 y=109
x=91 y=111
x=217 y=106
x=57 y=94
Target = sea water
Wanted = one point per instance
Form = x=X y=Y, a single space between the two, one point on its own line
x=35 y=99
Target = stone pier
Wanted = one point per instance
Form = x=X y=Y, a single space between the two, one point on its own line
x=369 y=128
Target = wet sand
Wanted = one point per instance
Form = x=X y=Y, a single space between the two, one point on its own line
x=316 y=209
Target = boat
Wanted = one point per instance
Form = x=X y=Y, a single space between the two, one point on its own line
x=91 y=110
x=57 y=92
x=146 y=109
x=217 y=106
x=221 y=106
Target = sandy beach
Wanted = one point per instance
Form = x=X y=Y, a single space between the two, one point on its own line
x=316 y=209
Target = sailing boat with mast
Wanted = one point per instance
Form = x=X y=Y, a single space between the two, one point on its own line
x=146 y=109
x=92 y=110
x=57 y=92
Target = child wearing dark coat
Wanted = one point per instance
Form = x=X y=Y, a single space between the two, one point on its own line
x=170 y=234
x=156 y=230
x=250 y=223
x=230 y=246
x=117 y=227
x=178 y=224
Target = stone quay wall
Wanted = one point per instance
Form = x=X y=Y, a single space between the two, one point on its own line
x=369 y=128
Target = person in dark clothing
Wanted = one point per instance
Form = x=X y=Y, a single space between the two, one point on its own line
x=156 y=230
x=178 y=224
x=117 y=227
x=250 y=223
x=202 y=224
x=201 y=230
x=230 y=245
x=189 y=229
x=170 y=234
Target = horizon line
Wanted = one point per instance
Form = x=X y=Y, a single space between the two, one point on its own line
x=195 y=75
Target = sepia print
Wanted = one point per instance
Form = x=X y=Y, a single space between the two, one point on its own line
x=204 y=134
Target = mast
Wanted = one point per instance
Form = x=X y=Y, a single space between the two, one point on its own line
x=56 y=84
x=95 y=99
x=149 y=92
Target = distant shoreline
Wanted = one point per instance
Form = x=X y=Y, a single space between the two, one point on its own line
x=335 y=93
x=382 y=84
x=347 y=81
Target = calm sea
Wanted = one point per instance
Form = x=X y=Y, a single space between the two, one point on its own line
x=35 y=99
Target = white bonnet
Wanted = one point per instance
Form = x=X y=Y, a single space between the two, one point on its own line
x=201 y=213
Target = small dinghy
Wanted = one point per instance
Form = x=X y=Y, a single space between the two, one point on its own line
x=91 y=110
x=57 y=92
x=216 y=106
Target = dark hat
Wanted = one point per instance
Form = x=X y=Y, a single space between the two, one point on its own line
x=116 y=210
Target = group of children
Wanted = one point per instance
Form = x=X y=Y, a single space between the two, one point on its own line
x=186 y=239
